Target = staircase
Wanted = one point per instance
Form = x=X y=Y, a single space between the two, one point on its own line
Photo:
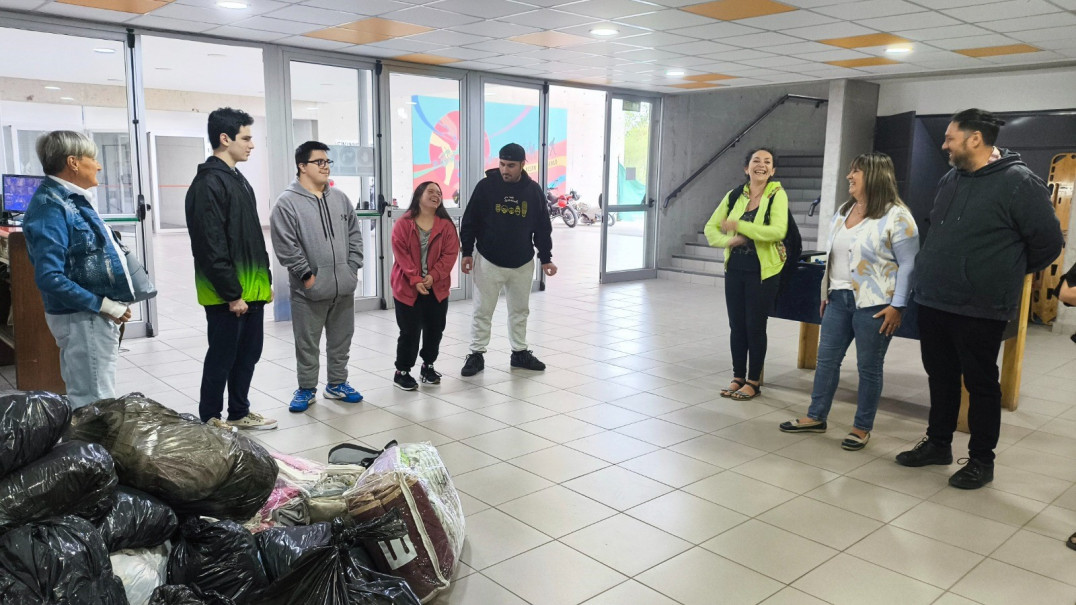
x=801 y=177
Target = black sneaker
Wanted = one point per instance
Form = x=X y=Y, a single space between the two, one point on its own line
x=975 y=474
x=403 y=380
x=926 y=452
x=428 y=375
x=475 y=363
x=527 y=361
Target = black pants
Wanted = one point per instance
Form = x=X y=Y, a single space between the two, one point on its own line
x=954 y=346
x=235 y=346
x=426 y=319
x=749 y=300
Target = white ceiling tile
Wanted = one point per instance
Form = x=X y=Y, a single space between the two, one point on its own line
x=477 y=65
x=245 y=33
x=827 y=71
x=155 y=22
x=760 y=40
x=365 y=50
x=316 y=43
x=549 y=3
x=429 y=17
x=727 y=68
x=893 y=68
x=738 y=55
x=554 y=54
x=1069 y=53
x=830 y=30
x=584 y=30
x=838 y=54
x=602 y=48
x=186 y=12
x=909 y=21
x=648 y=54
x=942 y=4
x=869 y=9
x=1025 y=58
x=363 y=7
x=946 y=61
x=466 y=54
x=780 y=21
x=655 y=39
x=1059 y=44
x=608 y=9
x=407 y=45
x=1032 y=23
x=815 y=3
x=512 y=60
x=276 y=25
x=319 y=16
x=799 y=48
x=743 y=82
x=22 y=5
x=973 y=42
x=549 y=19
x=482 y=8
x=447 y=37
x=1037 y=35
x=1009 y=9
x=666 y=19
x=495 y=29
x=686 y=61
x=1069 y=5
x=600 y=61
x=713 y=31
x=504 y=47
x=84 y=12
x=698 y=47
x=253 y=9
x=943 y=33
x=789 y=77
x=779 y=62
x=674 y=3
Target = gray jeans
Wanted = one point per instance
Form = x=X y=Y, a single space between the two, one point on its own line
x=336 y=318
x=89 y=348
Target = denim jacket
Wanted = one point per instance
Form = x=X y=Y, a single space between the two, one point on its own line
x=74 y=264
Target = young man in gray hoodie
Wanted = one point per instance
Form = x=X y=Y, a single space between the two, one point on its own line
x=316 y=237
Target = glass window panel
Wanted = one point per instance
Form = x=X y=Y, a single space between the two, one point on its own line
x=630 y=149
x=426 y=126
x=626 y=241
x=511 y=115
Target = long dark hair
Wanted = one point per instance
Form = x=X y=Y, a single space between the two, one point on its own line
x=879 y=184
x=416 y=199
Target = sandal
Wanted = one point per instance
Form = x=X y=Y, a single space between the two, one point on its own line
x=740 y=395
x=1072 y=542
x=853 y=442
x=739 y=384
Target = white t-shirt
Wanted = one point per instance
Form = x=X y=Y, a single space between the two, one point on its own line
x=840 y=257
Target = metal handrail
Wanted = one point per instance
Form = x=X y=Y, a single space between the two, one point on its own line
x=736 y=139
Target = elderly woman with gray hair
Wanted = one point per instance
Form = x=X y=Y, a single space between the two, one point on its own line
x=78 y=266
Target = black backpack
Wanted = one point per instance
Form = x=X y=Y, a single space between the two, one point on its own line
x=791 y=246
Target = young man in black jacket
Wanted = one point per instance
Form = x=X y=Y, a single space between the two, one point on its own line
x=992 y=223
x=231 y=272
x=508 y=218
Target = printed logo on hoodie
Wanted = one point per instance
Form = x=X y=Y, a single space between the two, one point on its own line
x=511 y=206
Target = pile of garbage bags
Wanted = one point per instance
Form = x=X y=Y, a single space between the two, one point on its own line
x=128 y=502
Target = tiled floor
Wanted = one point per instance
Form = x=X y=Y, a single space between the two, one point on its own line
x=619 y=476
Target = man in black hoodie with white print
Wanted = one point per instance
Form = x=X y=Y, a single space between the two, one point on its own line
x=508 y=218
x=992 y=223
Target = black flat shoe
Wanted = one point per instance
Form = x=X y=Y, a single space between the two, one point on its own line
x=853 y=442
x=795 y=426
x=926 y=452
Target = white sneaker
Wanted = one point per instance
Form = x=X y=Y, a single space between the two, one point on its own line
x=221 y=424
x=254 y=421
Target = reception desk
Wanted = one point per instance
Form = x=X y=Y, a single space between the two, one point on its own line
x=800 y=298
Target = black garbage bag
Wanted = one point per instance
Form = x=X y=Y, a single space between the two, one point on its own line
x=31 y=422
x=136 y=520
x=170 y=594
x=74 y=478
x=335 y=574
x=195 y=468
x=58 y=561
x=220 y=557
x=280 y=547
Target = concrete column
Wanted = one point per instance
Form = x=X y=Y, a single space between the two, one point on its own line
x=853 y=106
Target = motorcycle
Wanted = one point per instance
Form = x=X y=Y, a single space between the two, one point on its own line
x=588 y=216
x=559 y=206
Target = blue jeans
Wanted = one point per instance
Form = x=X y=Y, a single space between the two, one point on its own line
x=89 y=348
x=841 y=323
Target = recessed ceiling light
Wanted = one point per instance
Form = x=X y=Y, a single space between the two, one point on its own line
x=312 y=108
x=67 y=98
x=163 y=68
x=104 y=51
x=218 y=55
x=675 y=72
x=52 y=88
x=232 y=5
x=898 y=50
x=604 y=31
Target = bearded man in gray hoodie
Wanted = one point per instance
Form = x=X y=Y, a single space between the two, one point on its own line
x=316 y=237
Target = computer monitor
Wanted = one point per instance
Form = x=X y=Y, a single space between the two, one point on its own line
x=18 y=190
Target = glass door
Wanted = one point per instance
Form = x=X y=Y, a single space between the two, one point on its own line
x=425 y=129
x=627 y=250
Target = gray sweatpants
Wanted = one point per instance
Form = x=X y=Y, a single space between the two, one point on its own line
x=489 y=281
x=308 y=318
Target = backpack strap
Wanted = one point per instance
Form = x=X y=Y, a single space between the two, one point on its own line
x=769 y=206
x=733 y=197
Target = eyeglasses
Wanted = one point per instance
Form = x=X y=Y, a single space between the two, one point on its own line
x=320 y=163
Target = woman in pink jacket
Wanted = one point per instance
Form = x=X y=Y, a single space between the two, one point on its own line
x=425 y=247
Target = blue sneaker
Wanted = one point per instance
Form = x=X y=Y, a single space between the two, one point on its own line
x=302 y=400
x=343 y=392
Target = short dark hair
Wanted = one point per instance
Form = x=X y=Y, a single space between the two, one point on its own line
x=750 y=154
x=971 y=120
x=302 y=152
x=227 y=121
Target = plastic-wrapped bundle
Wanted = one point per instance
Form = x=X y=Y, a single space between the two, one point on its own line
x=59 y=561
x=141 y=570
x=197 y=469
x=412 y=479
x=31 y=423
x=136 y=520
x=184 y=595
x=75 y=478
x=280 y=547
x=220 y=557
